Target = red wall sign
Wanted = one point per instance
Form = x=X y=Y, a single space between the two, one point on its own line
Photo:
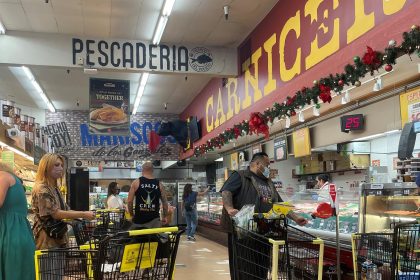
x=298 y=42
x=333 y=192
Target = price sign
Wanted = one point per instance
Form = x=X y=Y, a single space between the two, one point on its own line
x=333 y=192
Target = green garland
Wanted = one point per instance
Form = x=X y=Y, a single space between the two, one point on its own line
x=370 y=62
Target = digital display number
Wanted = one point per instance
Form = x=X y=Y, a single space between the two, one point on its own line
x=352 y=122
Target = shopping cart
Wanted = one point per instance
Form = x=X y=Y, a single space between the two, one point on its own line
x=374 y=247
x=271 y=249
x=139 y=254
x=395 y=255
x=108 y=221
x=406 y=254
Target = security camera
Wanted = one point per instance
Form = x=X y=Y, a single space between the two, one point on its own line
x=226 y=11
x=12 y=132
x=46 y=1
x=165 y=106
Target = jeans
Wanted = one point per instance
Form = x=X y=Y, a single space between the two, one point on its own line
x=192 y=220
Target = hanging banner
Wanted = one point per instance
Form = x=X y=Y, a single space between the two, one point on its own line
x=410 y=106
x=8 y=158
x=108 y=103
x=301 y=142
x=280 y=148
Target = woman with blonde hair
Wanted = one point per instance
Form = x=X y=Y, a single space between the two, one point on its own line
x=49 y=205
x=17 y=245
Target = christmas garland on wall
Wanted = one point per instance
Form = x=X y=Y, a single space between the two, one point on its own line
x=370 y=62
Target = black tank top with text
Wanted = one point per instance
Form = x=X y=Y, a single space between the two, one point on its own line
x=147 y=201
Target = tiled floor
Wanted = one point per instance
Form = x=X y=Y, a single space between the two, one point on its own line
x=202 y=259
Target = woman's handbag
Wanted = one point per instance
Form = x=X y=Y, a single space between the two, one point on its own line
x=56 y=229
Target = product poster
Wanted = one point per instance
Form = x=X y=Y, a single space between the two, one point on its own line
x=410 y=106
x=280 y=148
x=8 y=158
x=109 y=101
x=234 y=161
x=301 y=142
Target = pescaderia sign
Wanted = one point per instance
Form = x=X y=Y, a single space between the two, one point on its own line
x=297 y=43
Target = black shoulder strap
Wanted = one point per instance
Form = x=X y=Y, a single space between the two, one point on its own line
x=60 y=198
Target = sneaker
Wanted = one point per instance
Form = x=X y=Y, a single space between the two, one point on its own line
x=188 y=237
x=192 y=238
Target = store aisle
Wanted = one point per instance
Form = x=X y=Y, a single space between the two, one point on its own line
x=203 y=259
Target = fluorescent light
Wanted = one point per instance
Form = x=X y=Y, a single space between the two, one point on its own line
x=167 y=7
x=2 y=28
x=219 y=159
x=376 y=135
x=38 y=88
x=159 y=30
x=28 y=73
x=4 y=145
x=140 y=91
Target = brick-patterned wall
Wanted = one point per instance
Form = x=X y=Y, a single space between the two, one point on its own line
x=73 y=119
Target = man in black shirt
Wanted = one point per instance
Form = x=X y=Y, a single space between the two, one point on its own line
x=251 y=186
x=147 y=192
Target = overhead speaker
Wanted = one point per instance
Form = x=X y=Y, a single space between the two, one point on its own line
x=407 y=142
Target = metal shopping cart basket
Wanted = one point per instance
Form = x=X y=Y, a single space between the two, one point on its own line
x=108 y=221
x=271 y=249
x=139 y=254
x=68 y=263
x=396 y=255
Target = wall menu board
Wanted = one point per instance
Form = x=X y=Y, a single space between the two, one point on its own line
x=109 y=101
x=410 y=106
x=301 y=142
x=280 y=148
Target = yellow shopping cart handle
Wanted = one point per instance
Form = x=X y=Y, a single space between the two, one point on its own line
x=151 y=231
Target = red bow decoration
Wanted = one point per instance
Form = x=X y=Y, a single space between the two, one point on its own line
x=371 y=58
x=258 y=124
x=325 y=94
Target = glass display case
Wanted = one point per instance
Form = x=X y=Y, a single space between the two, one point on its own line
x=385 y=204
x=209 y=207
x=306 y=203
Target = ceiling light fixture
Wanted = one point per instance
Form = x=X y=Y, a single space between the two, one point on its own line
x=140 y=91
x=163 y=19
x=315 y=111
x=2 y=28
x=378 y=84
x=4 y=145
x=301 y=117
x=219 y=159
x=38 y=88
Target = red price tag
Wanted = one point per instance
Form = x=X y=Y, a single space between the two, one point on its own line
x=333 y=193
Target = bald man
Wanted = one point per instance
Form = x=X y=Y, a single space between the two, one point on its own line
x=148 y=192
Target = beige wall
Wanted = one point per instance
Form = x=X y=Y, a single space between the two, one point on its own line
x=379 y=117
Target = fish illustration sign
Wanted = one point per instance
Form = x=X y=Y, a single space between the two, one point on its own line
x=201 y=59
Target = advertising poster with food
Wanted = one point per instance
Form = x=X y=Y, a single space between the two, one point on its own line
x=109 y=102
x=410 y=106
x=280 y=148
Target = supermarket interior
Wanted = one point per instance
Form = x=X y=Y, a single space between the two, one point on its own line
x=318 y=101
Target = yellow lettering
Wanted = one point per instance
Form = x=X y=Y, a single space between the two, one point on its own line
x=252 y=80
x=362 y=22
x=320 y=53
x=393 y=6
x=220 y=120
x=233 y=98
x=292 y=23
x=209 y=114
x=270 y=86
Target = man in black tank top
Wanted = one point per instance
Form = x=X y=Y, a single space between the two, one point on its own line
x=147 y=192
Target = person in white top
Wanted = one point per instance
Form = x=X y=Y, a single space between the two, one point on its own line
x=324 y=187
x=114 y=201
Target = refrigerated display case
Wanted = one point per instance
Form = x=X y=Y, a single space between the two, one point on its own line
x=209 y=208
x=306 y=203
x=383 y=205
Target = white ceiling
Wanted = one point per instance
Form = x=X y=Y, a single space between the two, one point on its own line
x=191 y=22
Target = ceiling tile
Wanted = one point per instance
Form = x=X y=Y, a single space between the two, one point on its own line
x=13 y=17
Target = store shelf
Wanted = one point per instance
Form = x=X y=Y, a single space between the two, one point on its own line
x=333 y=171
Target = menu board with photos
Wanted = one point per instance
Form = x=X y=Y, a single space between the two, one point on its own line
x=280 y=148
